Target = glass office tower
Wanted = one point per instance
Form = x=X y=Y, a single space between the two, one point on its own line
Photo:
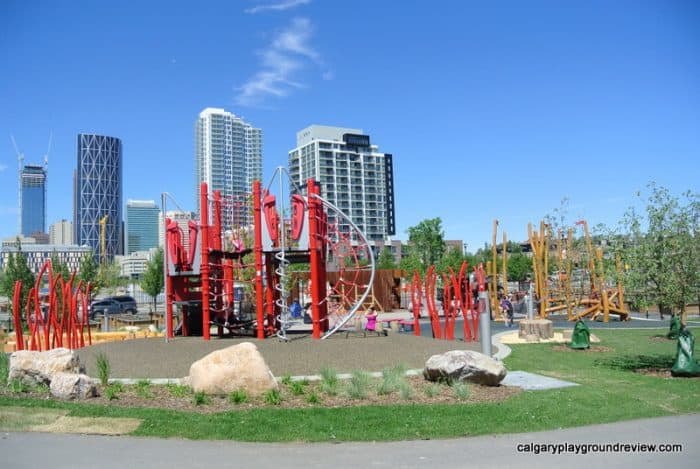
x=98 y=195
x=33 y=200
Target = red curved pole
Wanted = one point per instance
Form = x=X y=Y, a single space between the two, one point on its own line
x=17 y=315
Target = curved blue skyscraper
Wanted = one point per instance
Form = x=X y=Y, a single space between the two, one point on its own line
x=98 y=194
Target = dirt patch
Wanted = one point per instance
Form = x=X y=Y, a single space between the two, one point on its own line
x=180 y=398
x=592 y=348
x=661 y=373
x=660 y=338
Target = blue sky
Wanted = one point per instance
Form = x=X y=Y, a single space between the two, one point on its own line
x=491 y=109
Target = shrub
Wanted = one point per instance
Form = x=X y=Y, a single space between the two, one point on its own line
x=19 y=386
x=103 y=368
x=143 y=388
x=313 y=398
x=4 y=369
x=178 y=390
x=239 y=396
x=111 y=392
x=117 y=386
x=200 y=398
x=273 y=397
x=297 y=387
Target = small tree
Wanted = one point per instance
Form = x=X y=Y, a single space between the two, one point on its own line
x=519 y=267
x=411 y=263
x=386 y=259
x=17 y=269
x=451 y=259
x=152 y=281
x=59 y=268
x=664 y=260
x=427 y=241
x=87 y=272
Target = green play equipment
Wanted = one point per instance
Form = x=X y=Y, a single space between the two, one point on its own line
x=675 y=328
x=581 y=337
x=685 y=364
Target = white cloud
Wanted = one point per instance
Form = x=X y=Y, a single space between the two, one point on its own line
x=3 y=167
x=282 y=6
x=287 y=54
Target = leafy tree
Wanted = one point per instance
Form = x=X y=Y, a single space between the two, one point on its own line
x=17 y=269
x=59 y=268
x=452 y=258
x=663 y=260
x=428 y=240
x=109 y=276
x=87 y=272
x=152 y=280
x=519 y=267
x=411 y=263
x=385 y=260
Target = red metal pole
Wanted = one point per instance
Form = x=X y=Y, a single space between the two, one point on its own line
x=17 y=315
x=257 y=234
x=314 y=259
x=204 y=269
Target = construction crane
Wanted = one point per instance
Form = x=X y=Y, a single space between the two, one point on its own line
x=103 y=229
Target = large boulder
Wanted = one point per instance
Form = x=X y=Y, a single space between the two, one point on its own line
x=237 y=367
x=32 y=367
x=72 y=386
x=464 y=365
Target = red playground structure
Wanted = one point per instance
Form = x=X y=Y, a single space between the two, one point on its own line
x=233 y=274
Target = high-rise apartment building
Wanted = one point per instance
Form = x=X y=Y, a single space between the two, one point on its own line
x=353 y=174
x=61 y=233
x=97 y=209
x=141 y=225
x=228 y=156
x=32 y=199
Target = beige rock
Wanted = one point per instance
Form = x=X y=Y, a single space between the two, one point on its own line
x=237 y=367
x=72 y=386
x=32 y=367
x=464 y=365
x=542 y=328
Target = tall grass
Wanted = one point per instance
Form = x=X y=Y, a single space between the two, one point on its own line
x=392 y=379
x=103 y=368
x=4 y=369
x=358 y=387
x=329 y=381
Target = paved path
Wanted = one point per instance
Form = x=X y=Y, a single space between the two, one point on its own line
x=20 y=450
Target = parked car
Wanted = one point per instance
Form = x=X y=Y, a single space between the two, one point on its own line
x=105 y=306
x=128 y=303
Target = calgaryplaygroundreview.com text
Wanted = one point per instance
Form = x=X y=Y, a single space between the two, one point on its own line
x=588 y=448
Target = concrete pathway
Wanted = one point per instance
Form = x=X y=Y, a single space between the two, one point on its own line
x=621 y=444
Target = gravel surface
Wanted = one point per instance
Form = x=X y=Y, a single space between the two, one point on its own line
x=153 y=358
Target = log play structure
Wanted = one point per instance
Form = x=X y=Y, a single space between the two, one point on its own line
x=596 y=299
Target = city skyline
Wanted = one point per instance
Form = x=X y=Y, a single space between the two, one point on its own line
x=493 y=112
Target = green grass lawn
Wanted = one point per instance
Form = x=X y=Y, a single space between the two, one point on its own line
x=607 y=393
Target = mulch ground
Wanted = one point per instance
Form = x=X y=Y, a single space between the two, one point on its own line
x=154 y=358
x=592 y=348
x=145 y=359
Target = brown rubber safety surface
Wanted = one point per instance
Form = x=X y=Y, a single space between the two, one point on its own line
x=152 y=358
